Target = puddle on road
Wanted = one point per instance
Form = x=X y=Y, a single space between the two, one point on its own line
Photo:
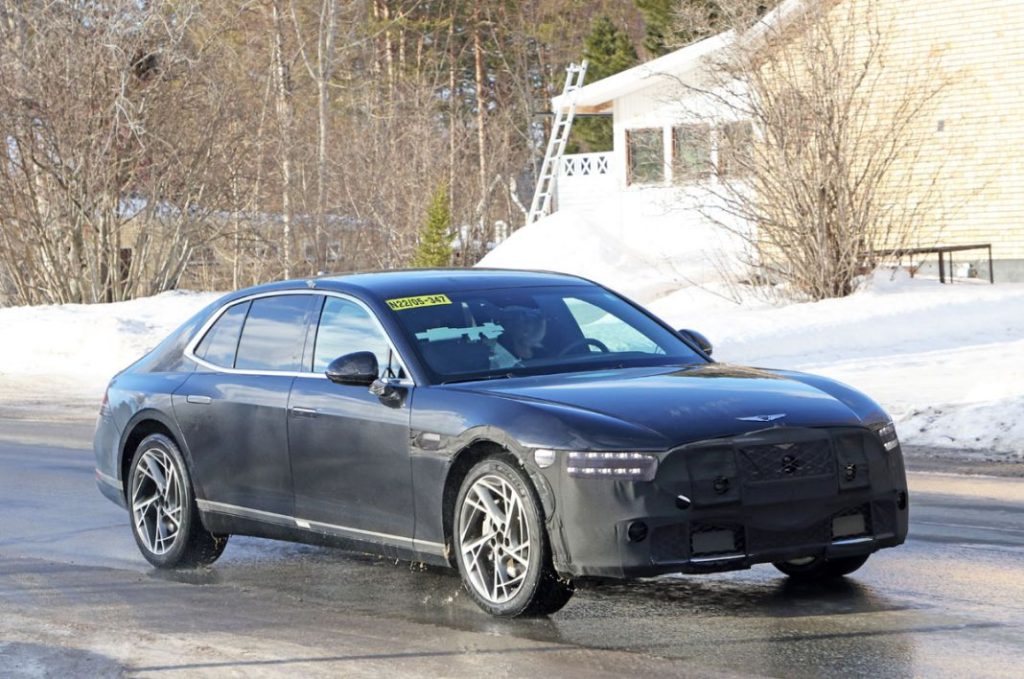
x=351 y=582
x=750 y=621
x=46 y=660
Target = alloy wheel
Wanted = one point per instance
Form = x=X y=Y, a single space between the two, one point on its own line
x=157 y=501
x=494 y=539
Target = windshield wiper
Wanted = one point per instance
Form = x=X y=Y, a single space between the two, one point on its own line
x=484 y=378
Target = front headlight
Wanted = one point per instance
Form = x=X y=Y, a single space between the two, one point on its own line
x=887 y=433
x=622 y=466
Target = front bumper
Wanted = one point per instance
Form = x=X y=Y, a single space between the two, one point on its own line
x=726 y=504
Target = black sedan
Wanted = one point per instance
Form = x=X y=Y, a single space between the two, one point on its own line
x=526 y=428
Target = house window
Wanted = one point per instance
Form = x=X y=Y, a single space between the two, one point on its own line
x=646 y=151
x=691 y=148
x=735 y=148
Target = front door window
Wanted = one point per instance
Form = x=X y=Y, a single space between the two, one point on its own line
x=346 y=327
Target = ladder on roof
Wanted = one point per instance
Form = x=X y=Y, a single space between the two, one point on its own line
x=560 y=129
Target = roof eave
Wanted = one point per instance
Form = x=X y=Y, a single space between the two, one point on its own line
x=597 y=97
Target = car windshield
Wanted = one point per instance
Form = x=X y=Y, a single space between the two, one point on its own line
x=484 y=334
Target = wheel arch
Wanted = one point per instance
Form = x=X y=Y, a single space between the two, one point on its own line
x=143 y=424
x=466 y=458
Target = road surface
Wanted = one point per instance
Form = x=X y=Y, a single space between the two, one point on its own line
x=76 y=598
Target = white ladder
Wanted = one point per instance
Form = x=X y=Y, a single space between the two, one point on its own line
x=560 y=129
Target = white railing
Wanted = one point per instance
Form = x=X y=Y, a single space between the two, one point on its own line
x=585 y=180
x=585 y=165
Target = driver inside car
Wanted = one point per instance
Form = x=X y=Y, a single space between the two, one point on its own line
x=524 y=330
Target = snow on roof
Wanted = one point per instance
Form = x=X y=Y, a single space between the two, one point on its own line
x=597 y=97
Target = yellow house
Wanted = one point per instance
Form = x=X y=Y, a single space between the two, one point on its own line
x=972 y=135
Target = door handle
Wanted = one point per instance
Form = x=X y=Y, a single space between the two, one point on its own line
x=198 y=400
x=298 y=411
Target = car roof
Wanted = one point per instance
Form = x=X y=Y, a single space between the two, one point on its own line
x=403 y=283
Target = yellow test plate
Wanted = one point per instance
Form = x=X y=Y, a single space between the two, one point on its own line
x=403 y=303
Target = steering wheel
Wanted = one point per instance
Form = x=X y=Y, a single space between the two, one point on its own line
x=585 y=342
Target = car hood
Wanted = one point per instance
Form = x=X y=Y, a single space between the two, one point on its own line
x=686 y=404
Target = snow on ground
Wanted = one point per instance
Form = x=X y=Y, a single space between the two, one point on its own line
x=946 y=361
x=71 y=351
x=652 y=258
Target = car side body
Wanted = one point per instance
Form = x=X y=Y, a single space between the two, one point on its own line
x=752 y=465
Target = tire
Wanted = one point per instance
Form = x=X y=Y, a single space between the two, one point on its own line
x=820 y=568
x=159 y=489
x=501 y=546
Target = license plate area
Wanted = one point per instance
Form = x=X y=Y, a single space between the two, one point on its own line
x=854 y=522
x=713 y=542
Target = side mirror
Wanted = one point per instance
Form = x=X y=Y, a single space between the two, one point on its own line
x=700 y=340
x=359 y=368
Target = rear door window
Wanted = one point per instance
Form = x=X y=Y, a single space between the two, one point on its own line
x=274 y=334
x=221 y=341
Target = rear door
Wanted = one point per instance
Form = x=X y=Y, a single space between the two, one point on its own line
x=233 y=409
x=349 y=451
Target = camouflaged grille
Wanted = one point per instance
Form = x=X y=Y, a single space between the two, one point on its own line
x=777 y=461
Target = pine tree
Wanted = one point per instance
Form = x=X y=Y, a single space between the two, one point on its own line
x=658 y=18
x=607 y=50
x=435 y=248
x=671 y=24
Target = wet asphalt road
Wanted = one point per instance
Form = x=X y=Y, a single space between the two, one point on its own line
x=77 y=598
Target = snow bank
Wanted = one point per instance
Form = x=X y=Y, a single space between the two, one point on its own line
x=947 y=361
x=74 y=349
x=655 y=255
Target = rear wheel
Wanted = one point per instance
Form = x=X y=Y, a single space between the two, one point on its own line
x=503 y=552
x=816 y=568
x=165 y=518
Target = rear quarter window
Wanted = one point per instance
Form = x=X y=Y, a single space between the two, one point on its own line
x=221 y=340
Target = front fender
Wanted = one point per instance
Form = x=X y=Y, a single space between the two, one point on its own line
x=461 y=444
x=445 y=423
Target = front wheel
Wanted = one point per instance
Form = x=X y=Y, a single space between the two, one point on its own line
x=818 y=568
x=165 y=518
x=503 y=552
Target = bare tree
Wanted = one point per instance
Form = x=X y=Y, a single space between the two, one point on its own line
x=819 y=136
x=109 y=121
x=283 y=95
x=152 y=144
x=333 y=20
